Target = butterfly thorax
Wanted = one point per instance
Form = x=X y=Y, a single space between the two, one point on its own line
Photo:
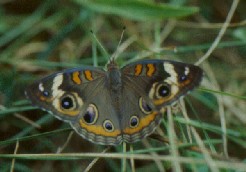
x=114 y=77
x=114 y=84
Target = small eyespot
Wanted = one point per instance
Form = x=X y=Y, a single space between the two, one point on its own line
x=46 y=93
x=163 y=90
x=145 y=108
x=68 y=103
x=182 y=78
x=134 y=121
x=108 y=126
x=91 y=114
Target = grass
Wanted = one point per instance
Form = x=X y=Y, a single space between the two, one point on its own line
x=204 y=132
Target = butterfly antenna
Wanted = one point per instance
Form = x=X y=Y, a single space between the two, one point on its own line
x=100 y=45
x=117 y=49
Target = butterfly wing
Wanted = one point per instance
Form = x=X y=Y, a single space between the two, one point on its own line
x=105 y=128
x=63 y=93
x=84 y=98
x=149 y=86
x=79 y=96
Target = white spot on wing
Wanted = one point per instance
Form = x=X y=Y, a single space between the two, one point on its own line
x=41 y=87
x=187 y=71
x=169 y=68
x=55 y=91
x=56 y=83
x=172 y=79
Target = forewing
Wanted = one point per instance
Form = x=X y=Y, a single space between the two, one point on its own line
x=148 y=87
x=161 y=81
x=65 y=93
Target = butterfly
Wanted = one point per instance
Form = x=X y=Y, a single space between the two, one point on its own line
x=117 y=105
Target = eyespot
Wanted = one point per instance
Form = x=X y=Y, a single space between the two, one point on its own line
x=182 y=78
x=134 y=121
x=145 y=108
x=108 y=125
x=46 y=93
x=68 y=103
x=185 y=75
x=163 y=90
x=91 y=114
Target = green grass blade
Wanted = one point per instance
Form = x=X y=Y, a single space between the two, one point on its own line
x=26 y=24
x=138 y=10
x=36 y=136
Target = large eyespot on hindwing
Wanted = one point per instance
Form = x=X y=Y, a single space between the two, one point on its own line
x=108 y=126
x=91 y=115
x=134 y=121
x=144 y=107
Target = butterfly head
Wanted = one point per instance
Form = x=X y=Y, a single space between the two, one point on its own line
x=112 y=65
